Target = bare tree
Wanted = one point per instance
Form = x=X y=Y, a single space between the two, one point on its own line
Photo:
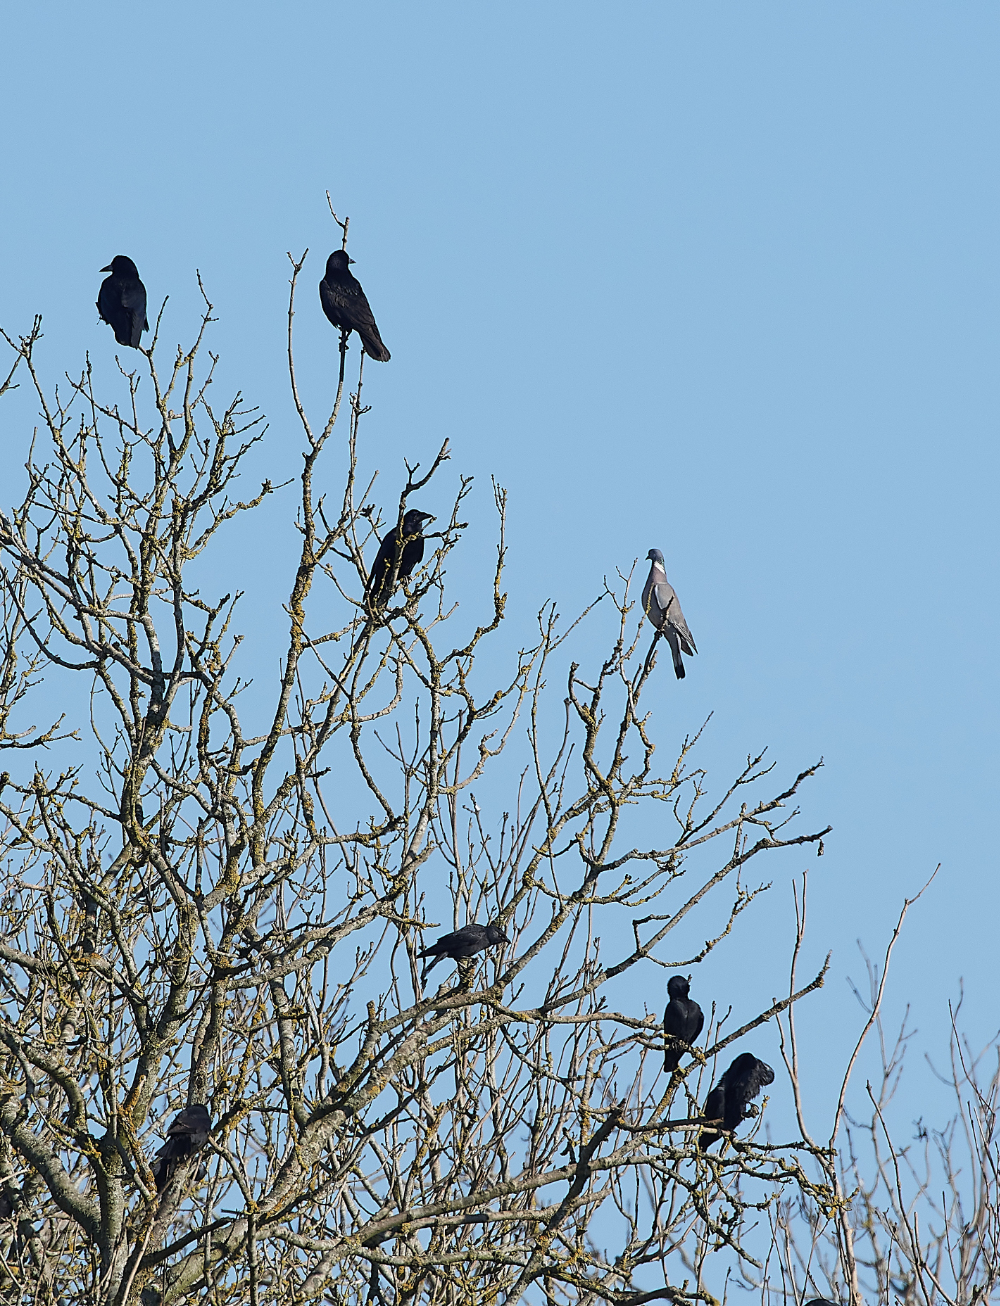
x=217 y=895
x=915 y=1222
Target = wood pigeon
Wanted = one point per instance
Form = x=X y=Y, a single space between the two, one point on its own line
x=659 y=602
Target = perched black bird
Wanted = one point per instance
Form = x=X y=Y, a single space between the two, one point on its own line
x=729 y=1099
x=465 y=942
x=378 y=591
x=346 y=306
x=188 y=1134
x=121 y=301
x=683 y=1019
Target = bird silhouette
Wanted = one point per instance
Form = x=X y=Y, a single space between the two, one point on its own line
x=729 y=1099
x=683 y=1019
x=379 y=589
x=345 y=304
x=121 y=301
x=466 y=942
x=187 y=1134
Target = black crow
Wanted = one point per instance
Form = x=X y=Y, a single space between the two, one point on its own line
x=188 y=1134
x=660 y=604
x=465 y=942
x=121 y=301
x=378 y=591
x=729 y=1099
x=683 y=1019
x=345 y=305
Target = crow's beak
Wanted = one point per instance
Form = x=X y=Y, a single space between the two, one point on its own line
x=107 y=269
x=349 y=259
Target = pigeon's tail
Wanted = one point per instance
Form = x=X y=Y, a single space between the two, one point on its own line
x=373 y=346
x=675 y=652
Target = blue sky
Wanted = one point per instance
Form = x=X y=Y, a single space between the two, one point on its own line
x=716 y=278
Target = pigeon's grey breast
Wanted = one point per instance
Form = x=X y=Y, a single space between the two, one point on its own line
x=650 y=602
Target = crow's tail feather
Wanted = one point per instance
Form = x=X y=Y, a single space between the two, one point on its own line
x=373 y=345
x=429 y=966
